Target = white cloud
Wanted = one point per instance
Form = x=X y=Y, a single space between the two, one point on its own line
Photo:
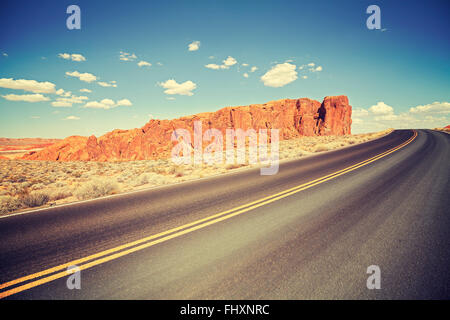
x=435 y=107
x=245 y=64
x=304 y=77
x=72 y=118
x=108 y=104
x=213 y=66
x=230 y=61
x=360 y=112
x=74 y=56
x=311 y=67
x=125 y=56
x=253 y=69
x=171 y=98
x=86 y=77
x=63 y=104
x=194 y=46
x=85 y=90
x=68 y=101
x=382 y=116
x=62 y=93
x=37 y=97
x=381 y=109
x=172 y=87
x=246 y=75
x=107 y=84
x=124 y=102
x=226 y=64
x=144 y=64
x=280 y=75
x=27 y=85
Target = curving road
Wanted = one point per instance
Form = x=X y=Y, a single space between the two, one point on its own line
x=308 y=232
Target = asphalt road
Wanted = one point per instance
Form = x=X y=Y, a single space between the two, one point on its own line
x=316 y=241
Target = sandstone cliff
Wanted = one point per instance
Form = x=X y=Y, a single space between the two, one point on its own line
x=293 y=117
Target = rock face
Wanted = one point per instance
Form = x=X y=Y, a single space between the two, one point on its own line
x=293 y=117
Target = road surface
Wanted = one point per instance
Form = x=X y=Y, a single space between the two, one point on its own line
x=308 y=232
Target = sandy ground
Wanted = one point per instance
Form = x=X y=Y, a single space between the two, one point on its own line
x=33 y=184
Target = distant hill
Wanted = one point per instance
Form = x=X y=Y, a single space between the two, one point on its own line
x=13 y=148
x=293 y=117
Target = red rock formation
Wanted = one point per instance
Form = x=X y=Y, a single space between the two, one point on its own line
x=293 y=117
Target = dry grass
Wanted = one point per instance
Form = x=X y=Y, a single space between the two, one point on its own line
x=30 y=184
x=446 y=129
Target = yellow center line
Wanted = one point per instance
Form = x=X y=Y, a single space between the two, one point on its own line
x=113 y=253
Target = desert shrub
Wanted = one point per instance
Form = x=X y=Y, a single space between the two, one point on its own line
x=320 y=147
x=144 y=178
x=9 y=204
x=35 y=199
x=37 y=186
x=233 y=166
x=96 y=188
x=60 y=193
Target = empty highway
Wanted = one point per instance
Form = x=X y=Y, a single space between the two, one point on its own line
x=308 y=232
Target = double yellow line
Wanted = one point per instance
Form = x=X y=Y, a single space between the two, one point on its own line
x=60 y=271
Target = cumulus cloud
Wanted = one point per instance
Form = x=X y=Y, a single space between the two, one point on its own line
x=194 y=46
x=74 y=56
x=71 y=118
x=280 y=75
x=37 y=97
x=230 y=61
x=68 y=101
x=86 y=77
x=27 y=85
x=172 y=87
x=381 y=109
x=381 y=116
x=311 y=67
x=144 y=64
x=360 y=112
x=253 y=69
x=107 y=84
x=125 y=56
x=85 y=90
x=213 y=66
x=124 y=102
x=63 y=104
x=435 y=107
x=246 y=75
x=108 y=104
x=226 y=64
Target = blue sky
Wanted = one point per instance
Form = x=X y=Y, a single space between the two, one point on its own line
x=398 y=76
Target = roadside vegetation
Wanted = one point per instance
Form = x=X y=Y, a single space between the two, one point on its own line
x=32 y=184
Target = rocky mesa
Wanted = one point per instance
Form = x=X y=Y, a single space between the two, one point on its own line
x=293 y=117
